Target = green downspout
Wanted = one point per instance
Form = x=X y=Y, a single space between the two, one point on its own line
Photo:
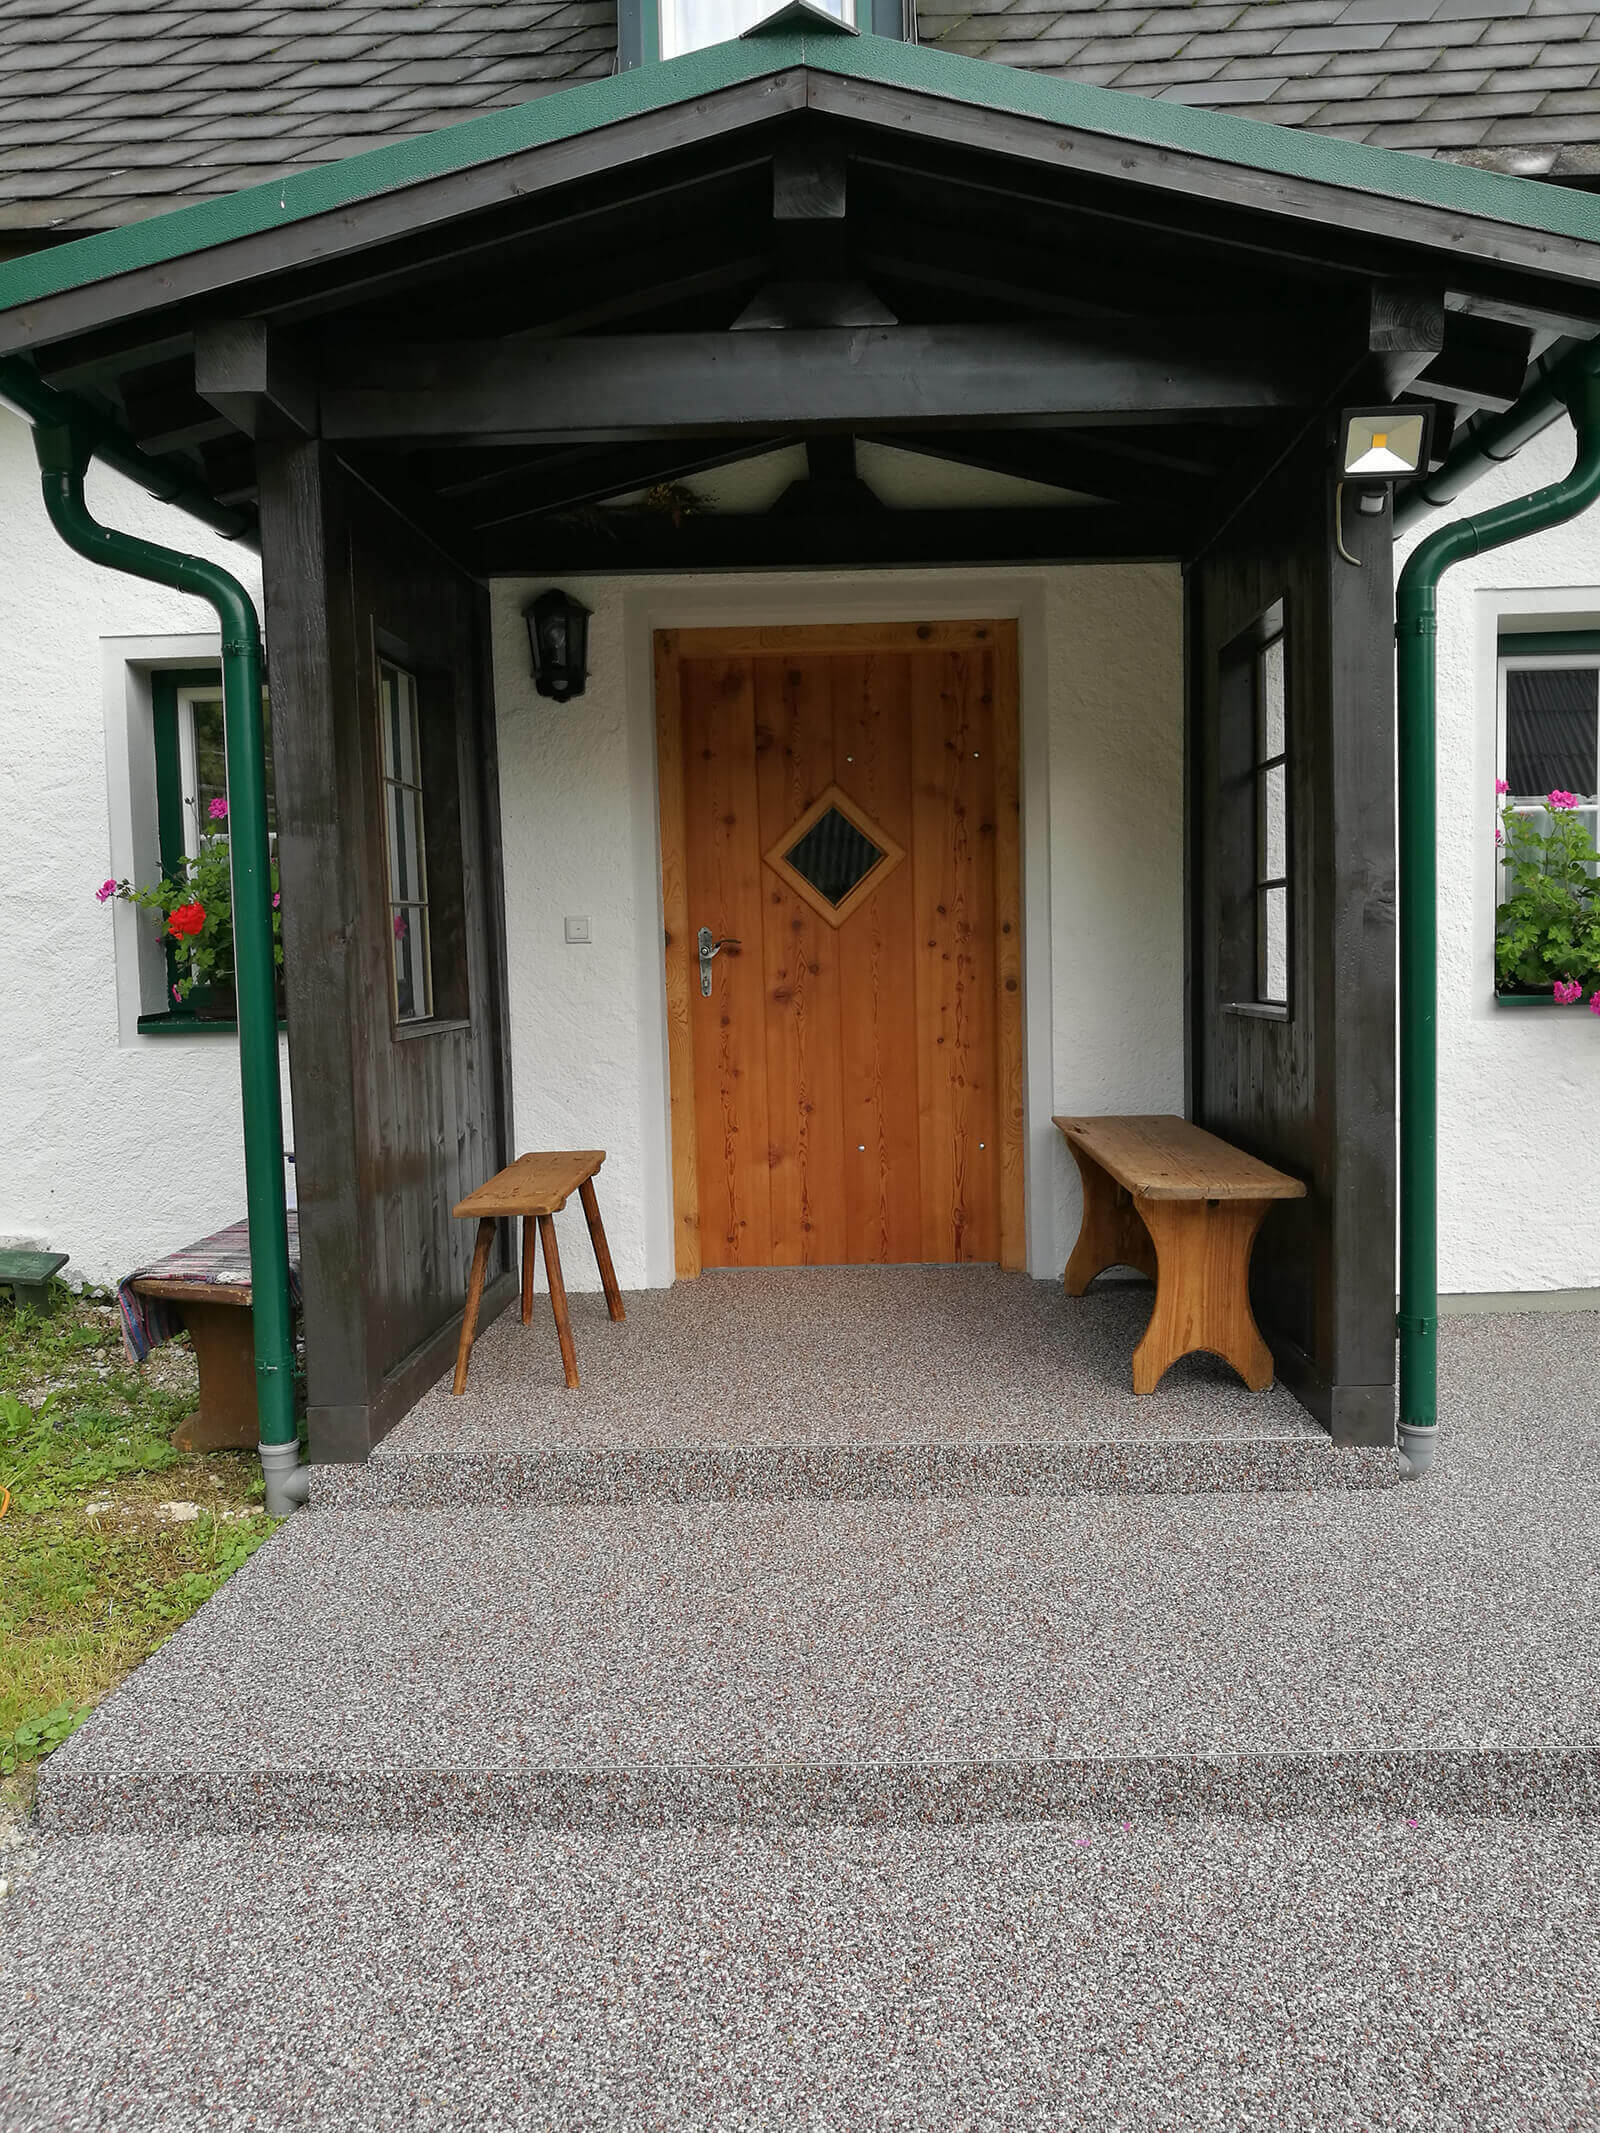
x=1416 y=628
x=63 y=460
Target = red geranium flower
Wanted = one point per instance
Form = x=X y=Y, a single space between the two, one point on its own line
x=187 y=919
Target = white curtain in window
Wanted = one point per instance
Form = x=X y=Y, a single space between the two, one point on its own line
x=690 y=25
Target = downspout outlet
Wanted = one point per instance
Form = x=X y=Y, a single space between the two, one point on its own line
x=1419 y=1448
x=288 y=1482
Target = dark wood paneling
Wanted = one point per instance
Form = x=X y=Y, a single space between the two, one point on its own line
x=1312 y=1091
x=391 y=1126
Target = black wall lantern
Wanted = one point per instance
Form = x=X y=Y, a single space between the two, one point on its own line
x=558 y=637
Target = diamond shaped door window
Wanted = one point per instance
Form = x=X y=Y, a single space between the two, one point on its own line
x=834 y=856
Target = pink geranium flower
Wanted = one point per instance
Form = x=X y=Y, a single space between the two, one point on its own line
x=1594 y=1002
x=176 y=994
x=218 y=810
x=1500 y=785
x=1567 y=990
x=1561 y=802
x=105 y=892
x=276 y=899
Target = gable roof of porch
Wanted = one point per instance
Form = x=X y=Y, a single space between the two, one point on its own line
x=1257 y=229
x=1206 y=141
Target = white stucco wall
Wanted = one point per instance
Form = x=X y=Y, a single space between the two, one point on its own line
x=113 y=1147
x=1519 y=1088
x=1101 y=674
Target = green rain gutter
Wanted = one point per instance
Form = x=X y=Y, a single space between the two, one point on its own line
x=1489 y=441
x=26 y=391
x=64 y=455
x=1416 y=630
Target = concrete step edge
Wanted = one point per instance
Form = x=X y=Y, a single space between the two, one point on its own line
x=846 y=1472
x=1519 y=1781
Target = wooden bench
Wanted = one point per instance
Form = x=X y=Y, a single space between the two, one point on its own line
x=206 y=1289
x=1178 y=1204
x=536 y=1188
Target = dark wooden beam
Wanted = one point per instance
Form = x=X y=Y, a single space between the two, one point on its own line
x=832 y=488
x=230 y=468
x=96 y=360
x=808 y=180
x=1406 y=328
x=646 y=385
x=252 y=375
x=1483 y=364
x=165 y=414
x=628 y=541
x=811 y=306
x=639 y=290
x=1068 y=459
x=569 y=480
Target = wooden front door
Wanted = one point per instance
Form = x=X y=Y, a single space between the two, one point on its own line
x=839 y=808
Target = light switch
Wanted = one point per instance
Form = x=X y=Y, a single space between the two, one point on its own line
x=578 y=931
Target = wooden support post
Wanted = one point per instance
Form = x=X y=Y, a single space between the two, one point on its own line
x=530 y=1248
x=469 y=1317
x=602 y=1251
x=558 y=1299
x=1112 y=1234
x=1202 y=1250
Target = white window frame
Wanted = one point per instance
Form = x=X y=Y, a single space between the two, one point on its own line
x=1589 y=808
x=670 y=32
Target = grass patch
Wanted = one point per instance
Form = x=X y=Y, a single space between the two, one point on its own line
x=94 y=1572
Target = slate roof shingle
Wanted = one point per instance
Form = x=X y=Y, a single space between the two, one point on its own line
x=149 y=80
x=1511 y=85
x=116 y=109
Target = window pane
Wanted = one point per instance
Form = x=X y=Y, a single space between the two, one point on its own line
x=1270 y=699
x=690 y=25
x=400 y=725
x=1272 y=945
x=1550 y=731
x=1272 y=850
x=834 y=856
x=405 y=845
x=211 y=760
x=411 y=987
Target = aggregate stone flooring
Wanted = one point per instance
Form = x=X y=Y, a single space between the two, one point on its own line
x=1327 y=1960
x=836 y=1383
x=819 y=1353
x=1346 y=1976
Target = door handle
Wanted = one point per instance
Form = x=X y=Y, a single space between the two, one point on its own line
x=710 y=949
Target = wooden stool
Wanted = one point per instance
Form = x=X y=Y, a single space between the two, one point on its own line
x=536 y=1187
x=28 y=1276
x=1174 y=1201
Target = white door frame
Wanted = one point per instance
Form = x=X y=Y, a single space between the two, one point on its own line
x=893 y=596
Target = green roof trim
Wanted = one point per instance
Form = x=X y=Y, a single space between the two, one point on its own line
x=986 y=84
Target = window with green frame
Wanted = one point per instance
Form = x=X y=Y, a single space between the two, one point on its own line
x=191 y=772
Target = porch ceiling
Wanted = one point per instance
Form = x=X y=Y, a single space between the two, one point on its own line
x=812 y=241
